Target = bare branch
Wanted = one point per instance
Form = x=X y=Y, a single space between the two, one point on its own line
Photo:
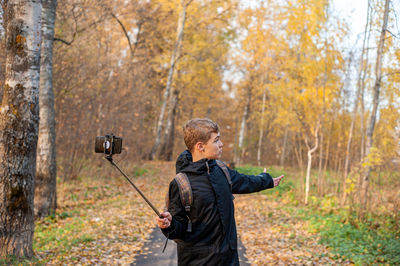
x=77 y=32
x=391 y=73
x=394 y=35
x=139 y=24
x=125 y=32
x=64 y=41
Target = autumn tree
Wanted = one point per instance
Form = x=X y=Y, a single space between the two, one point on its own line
x=19 y=119
x=45 y=182
x=376 y=92
x=174 y=57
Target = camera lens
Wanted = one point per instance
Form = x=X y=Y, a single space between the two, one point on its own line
x=106 y=145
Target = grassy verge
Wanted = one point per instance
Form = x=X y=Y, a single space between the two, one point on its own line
x=375 y=240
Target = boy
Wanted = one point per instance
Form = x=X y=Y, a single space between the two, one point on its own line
x=206 y=232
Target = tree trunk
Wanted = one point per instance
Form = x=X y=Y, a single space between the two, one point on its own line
x=245 y=116
x=377 y=86
x=174 y=57
x=19 y=119
x=309 y=156
x=299 y=154
x=327 y=152
x=362 y=115
x=354 y=115
x=167 y=147
x=260 y=137
x=321 y=157
x=236 y=146
x=45 y=182
x=285 y=138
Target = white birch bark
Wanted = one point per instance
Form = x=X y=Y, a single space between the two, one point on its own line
x=260 y=137
x=377 y=86
x=174 y=57
x=243 y=127
x=167 y=146
x=309 y=162
x=19 y=119
x=45 y=182
x=354 y=115
x=364 y=75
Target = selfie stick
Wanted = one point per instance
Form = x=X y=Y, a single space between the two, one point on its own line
x=109 y=158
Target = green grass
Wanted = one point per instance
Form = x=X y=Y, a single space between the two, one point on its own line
x=12 y=260
x=369 y=242
x=49 y=235
x=254 y=170
x=140 y=171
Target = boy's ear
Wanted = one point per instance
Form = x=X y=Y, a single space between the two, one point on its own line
x=199 y=146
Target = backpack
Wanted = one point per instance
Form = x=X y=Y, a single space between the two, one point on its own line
x=185 y=190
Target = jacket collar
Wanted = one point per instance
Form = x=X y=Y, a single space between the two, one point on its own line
x=185 y=164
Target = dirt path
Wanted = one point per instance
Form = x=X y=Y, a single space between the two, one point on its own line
x=152 y=255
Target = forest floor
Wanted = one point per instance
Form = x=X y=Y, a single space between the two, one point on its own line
x=103 y=220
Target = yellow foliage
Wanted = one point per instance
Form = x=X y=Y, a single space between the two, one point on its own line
x=373 y=159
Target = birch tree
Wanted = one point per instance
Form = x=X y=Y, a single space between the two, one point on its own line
x=310 y=152
x=260 y=136
x=19 y=118
x=245 y=116
x=354 y=115
x=45 y=182
x=375 y=103
x=174 y=57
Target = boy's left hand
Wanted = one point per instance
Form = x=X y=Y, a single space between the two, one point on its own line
x=276 y=180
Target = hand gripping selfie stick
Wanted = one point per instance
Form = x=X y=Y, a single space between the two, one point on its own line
x=110 y=159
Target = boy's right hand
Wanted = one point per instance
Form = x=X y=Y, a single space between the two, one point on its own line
x=164 y=222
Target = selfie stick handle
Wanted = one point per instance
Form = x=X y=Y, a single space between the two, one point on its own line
x=109 y=158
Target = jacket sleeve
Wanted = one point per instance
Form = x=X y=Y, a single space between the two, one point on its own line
x=179 y=222
x=242 y=184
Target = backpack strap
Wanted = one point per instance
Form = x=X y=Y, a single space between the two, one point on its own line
x=224 y=168
x=185 y=190
x=186 y=194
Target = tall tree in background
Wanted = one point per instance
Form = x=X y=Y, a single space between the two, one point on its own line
x=19 y=118
x=375 y=103
x=354 y=114
x=45 y=182
x=245 y=116
x=167 y=146
x=174 y=57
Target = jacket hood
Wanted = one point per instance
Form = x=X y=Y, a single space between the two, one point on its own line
x=185 y=164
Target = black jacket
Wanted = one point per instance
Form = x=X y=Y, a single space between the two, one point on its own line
x=213 y=239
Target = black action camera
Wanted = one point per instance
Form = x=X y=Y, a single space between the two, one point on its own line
x=108 y=144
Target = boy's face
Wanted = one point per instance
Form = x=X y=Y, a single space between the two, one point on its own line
x=213 y=148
